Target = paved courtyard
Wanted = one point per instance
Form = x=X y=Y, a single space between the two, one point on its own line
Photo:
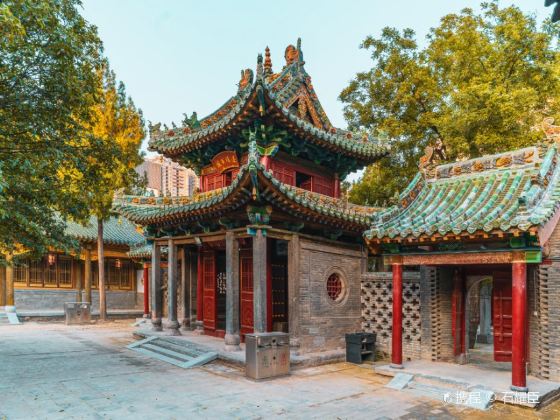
x=51 y=371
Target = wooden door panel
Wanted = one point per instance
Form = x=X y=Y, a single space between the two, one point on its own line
x=246 y=291
x=209 y=291
x=502 y=317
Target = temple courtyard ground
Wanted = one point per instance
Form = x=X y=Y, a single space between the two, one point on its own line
x=53 y=371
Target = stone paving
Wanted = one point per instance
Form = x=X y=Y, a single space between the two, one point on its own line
x=51 y=371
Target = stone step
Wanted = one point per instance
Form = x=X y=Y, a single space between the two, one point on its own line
x=159 y=356
x=9 y=318
x=166 y=352
x=178 y=348
x=175 y=354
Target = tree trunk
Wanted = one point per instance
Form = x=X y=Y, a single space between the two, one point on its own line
x=101 y=270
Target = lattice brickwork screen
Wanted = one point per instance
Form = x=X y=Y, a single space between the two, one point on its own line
x=377 y=311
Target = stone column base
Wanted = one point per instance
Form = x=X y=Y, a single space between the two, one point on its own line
x=186 y=324
x=156 y=324
x=232 y=342
x=172 y=328
x=199 y=328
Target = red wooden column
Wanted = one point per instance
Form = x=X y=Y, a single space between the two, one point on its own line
x=336 y=186
x=396 y=350
x=519 y=321
x=146 y=290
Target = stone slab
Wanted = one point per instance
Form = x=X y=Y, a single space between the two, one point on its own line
x=400 y=381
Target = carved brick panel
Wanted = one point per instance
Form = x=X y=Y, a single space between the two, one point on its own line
x=377 y=311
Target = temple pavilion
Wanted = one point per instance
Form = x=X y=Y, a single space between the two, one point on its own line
x=268 y=243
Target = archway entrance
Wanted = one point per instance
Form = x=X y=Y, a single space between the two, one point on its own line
x=488 y=320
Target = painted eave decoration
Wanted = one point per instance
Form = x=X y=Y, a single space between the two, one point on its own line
x=288 y=95
x=252 y=178
x=493 y=196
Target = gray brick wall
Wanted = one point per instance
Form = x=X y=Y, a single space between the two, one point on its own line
x=322 y=322
x=428 y=309
x=53 y=300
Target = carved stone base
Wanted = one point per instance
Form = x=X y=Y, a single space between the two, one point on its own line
x=199 y=328
x=172 y=328
x=186 y=325
x=146 y=316
x=156 y=324
x=232 y=342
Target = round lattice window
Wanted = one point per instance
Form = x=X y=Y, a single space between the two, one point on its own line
x=335 y=287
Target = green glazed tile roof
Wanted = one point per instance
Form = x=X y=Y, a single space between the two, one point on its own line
x=280 y=90
x=511 y=191
x=167 y=210
x=143 y=250
x=116 y=231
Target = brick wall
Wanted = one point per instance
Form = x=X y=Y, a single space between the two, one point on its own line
x=428 y=313
x=53 y=300
x=322 y=322
x=545 y=324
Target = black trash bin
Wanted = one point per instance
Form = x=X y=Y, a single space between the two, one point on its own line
x=360 y=347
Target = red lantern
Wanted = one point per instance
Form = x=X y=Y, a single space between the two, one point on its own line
x=51 y=259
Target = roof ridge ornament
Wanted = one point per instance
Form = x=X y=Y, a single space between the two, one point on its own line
x=433 y=155
x=551 y=131
x=246 y=80
x=260 y=69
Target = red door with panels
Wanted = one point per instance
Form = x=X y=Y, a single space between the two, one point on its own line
x=209 y=290
x=246 y=291
x=502 y=316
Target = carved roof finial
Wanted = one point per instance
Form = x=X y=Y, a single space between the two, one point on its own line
x=551 y=131
x=291 y=55
x=300 y=52
x=432 y=157
x=267 y=62
x=260 y=67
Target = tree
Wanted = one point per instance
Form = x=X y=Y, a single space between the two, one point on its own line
x=119 y=125
x=483 y=84
x=48 y=60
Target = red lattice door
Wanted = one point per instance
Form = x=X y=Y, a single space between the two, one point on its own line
x=246 y=291
x=502 y=316
x=209 y=289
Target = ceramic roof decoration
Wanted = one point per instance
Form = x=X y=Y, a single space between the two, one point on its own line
x=500 y=195
x=252 y=182
x=116 y=231
x=287 y=99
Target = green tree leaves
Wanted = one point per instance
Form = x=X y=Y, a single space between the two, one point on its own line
x=69 y=136
x=48 y=54
x=482 y=85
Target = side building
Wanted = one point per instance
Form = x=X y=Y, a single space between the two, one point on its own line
x=468 y=266
x=41 y=287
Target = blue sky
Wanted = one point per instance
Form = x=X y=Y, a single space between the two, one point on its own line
x=179 y=56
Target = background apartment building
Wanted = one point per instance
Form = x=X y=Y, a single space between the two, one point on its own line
x=167 y=178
